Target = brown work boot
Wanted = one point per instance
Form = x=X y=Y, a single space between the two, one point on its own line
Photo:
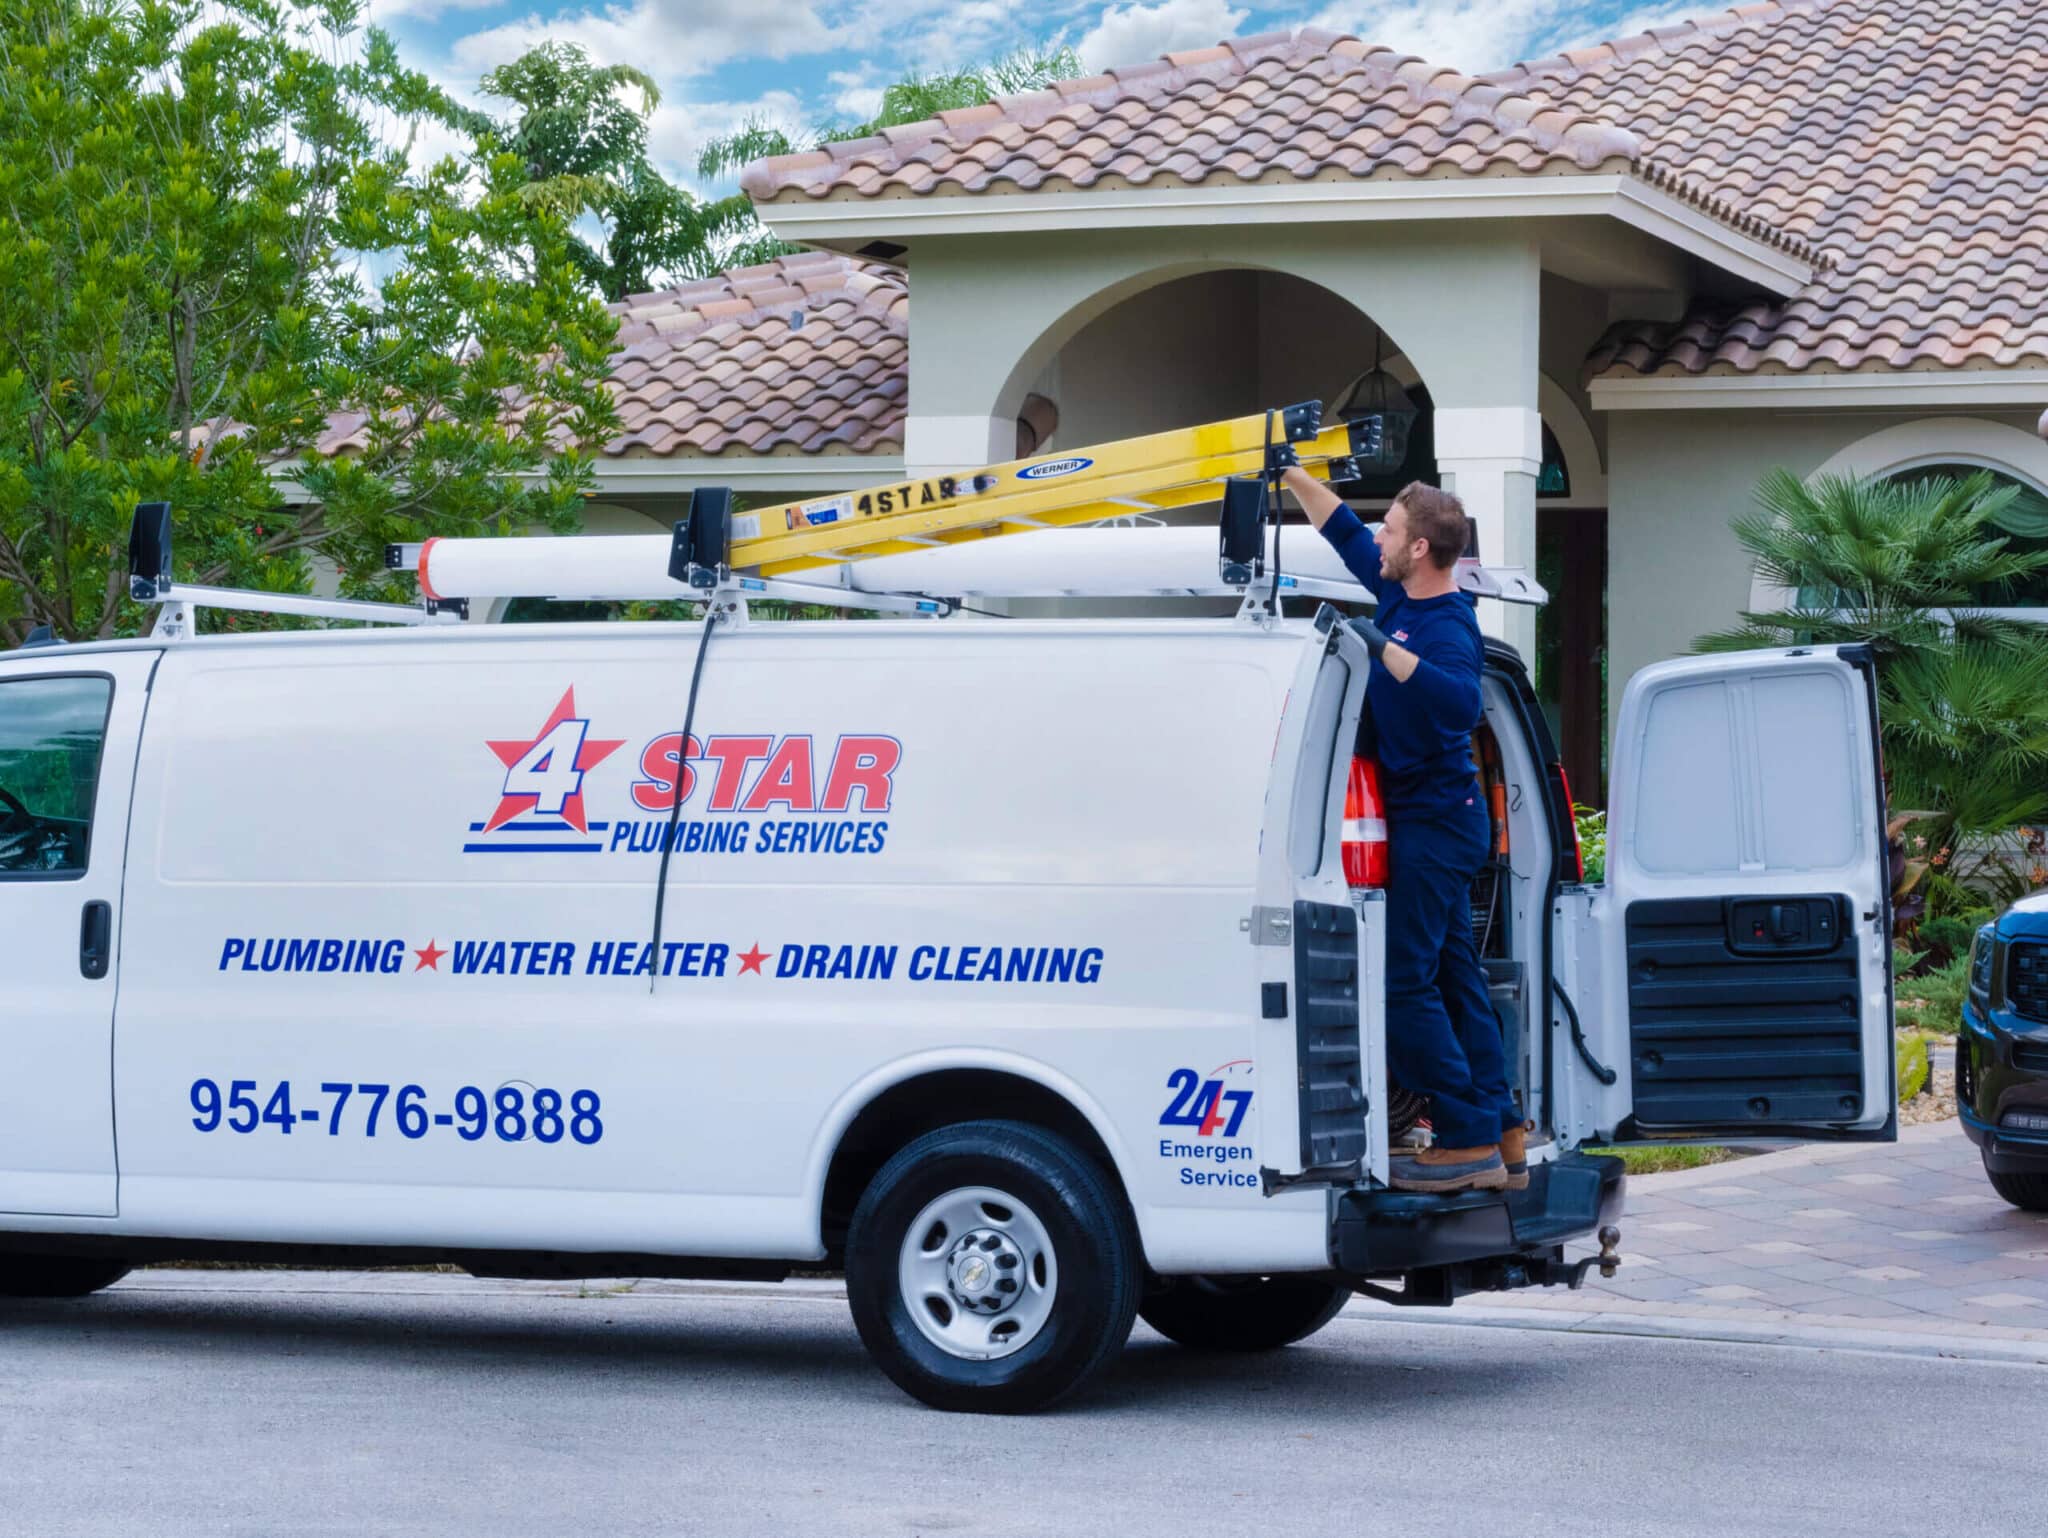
x=1439 y=1170
x=1514 y=1153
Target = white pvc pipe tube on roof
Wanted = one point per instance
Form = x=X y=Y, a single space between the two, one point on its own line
x=1114 y=560
x=591 y=567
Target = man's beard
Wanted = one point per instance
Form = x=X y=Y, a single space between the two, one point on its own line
x=1395 y=566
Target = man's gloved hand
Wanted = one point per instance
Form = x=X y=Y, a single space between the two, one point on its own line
x=1376 y=640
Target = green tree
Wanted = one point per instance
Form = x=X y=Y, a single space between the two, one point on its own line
x=210 y=248
x=1910 y=568
x=912 y=99
x=584 y=147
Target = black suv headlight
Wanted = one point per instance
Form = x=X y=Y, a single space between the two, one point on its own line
x=1982 y=947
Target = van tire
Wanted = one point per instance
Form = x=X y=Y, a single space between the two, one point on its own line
x=1067 y=1218
x=2027 y=1192
x=57 y=1276
x=1261 y=1313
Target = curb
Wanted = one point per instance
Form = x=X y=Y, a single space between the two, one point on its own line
x=2030 y=1348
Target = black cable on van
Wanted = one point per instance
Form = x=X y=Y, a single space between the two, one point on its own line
x=1274 y=514
x=1600 y=1070
x=675 y=807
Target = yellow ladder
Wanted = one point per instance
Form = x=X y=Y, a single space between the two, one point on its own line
x=1151 y=474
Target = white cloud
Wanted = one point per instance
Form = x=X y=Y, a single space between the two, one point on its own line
x=668 y=38
x=379 y=12
x=1476 y=36
x=1467 y=35
x=930 y=36
x=1637 y=21
x=859 y=92
x=1134 y=33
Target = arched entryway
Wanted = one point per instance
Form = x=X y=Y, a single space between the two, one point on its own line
x=1196 y=346
x=1192 y=347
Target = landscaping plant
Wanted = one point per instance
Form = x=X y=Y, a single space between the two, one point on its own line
x=1592 y=825
x=1911 y=569
x=582 y=141
x=218 y=245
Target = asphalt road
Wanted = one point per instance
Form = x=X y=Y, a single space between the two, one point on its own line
x=348 y=1406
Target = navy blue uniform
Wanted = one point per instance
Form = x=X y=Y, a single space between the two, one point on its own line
x=1443 y=1039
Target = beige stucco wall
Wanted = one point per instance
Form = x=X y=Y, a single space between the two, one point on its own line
x=1202 y=348
x=1676 y=479
x=1573 y=320
x=990 y=315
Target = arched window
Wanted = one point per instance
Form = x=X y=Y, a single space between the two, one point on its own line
x=2024 y=520
x=1946 y=445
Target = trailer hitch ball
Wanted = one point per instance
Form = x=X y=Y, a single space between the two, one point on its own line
x=1610 y=1251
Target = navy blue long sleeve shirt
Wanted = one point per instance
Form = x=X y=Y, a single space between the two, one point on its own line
x=1425 y=723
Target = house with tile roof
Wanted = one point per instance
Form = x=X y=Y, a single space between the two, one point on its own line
x=1615 y=287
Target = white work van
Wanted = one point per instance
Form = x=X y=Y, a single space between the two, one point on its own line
x=1010 y=966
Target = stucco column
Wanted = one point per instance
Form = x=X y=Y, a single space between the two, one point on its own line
x=934 y=443
x=1490 y=456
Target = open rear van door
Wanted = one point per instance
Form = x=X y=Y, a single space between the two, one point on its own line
x=69 y=728
x=1320 y=1052
x=1735 y=974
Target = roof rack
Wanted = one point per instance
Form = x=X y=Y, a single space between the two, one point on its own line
x=149 y=581
x=915 y=547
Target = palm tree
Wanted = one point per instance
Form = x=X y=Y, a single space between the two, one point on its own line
x=1909 y=567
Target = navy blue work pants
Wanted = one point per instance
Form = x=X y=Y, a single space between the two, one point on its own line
x=1443 y=1038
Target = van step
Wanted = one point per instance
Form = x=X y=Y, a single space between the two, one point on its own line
x=1380 y=1232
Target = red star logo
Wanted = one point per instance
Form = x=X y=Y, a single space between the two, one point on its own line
x=750 y=961
x=569 y=733
x=430 y=957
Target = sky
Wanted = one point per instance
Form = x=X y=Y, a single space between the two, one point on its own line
x=722 y=63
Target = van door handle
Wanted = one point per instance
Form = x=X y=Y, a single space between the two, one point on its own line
x=95 y=936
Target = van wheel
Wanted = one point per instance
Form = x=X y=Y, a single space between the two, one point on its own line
x=57 y=1276
x=992 y=1266
x=2027 y=1192
x=1243 y=1313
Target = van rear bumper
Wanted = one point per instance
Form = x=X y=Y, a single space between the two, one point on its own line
x=1381 y=1233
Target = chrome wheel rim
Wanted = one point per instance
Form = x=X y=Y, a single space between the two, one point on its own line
x=978 y=1274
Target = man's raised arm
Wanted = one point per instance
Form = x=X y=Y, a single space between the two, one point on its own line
x=1348 y=536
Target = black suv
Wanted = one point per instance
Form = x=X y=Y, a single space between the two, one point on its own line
x=2002 y=1055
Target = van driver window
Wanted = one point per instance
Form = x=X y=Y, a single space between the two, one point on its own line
x=51 y=733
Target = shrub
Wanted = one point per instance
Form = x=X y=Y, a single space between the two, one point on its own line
x=1913 y=1066
x=1592 y=826
x=1933 y=1001
x=1947 y=936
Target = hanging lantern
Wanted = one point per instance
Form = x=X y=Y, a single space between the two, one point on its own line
x=1377 y=393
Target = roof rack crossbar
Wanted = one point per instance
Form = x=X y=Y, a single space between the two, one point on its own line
x=176 y=602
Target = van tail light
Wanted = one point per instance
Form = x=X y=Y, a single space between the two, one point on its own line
x=1365 y=826
x=1564 y=783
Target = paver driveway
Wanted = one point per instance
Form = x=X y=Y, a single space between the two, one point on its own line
x=1897 y=1237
